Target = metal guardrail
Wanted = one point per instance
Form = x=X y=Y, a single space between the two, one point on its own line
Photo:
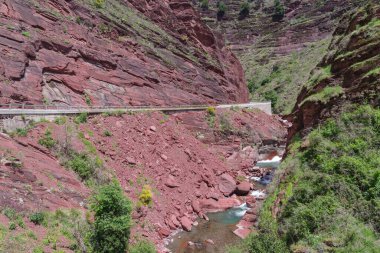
x=20 y=109
x=65 y=107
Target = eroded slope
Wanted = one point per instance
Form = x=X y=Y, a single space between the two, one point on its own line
x=79 y=52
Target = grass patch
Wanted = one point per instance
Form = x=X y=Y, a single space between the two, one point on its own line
x=47 y=140
x=279 y=79
x=81 y=118
x=325 y=95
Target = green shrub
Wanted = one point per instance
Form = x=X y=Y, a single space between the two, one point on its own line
x=60 y=120
x=38 y=249
x=251 y=86
x=265 y=243
x=210 y=117
x=82 y=164
x=244 y=10
x=10 y=213
x=20 y=222
x=146 y=197
x=211 y=111
x=204 y=4
x=26 y=34
x=279 y=10
x=306 y=219
x=112 y=219
x=87 y=99
x=37 y=218
x=221 y=10
x=107 y=133
x=21 y=132
x=272 y=96
x=98 y=3
x=12 y=225
x=47 y=140
x=142 y=246
x=81 y=118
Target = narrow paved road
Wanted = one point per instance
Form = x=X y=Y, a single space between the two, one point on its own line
x=19 y=109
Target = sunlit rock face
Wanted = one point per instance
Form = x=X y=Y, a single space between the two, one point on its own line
x=151 y=53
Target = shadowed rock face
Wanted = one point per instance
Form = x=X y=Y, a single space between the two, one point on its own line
x=124 y=52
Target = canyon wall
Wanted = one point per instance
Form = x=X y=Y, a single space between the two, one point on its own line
x=113 y=52
x=277 y=54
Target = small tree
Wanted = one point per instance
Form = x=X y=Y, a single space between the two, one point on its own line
x=221 y=10
x=112 y=219
x=244 y=10
x=204 y=4
x=279 y=10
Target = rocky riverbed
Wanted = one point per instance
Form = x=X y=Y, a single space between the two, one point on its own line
x=217 y=230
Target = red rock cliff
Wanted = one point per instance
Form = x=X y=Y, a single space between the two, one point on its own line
x=119 y=52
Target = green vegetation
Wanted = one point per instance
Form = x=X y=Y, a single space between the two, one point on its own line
x=221 y=9
x=26 y=34
x=60 y=120
x=112 y=219
x=325 y=95
x=21 y=132
x=81 y=118
x=330 y=198
x=37 y=218
x=146 y=197
x=12 y=225
x=87 y=143
x=281 y=79
x=47 y=140
x=210 y=116
x=225 y=125
x=204 y=4
x=271 y=96
x=319 y=75
x=147 y=34
x=142 y=246
x=244 y=10
x=82 y=164
x=15 y=219
x=87 y=99
x=107 y=133
x=279 y=10
x=98 y=3
x=373 y=72
x=116 y=113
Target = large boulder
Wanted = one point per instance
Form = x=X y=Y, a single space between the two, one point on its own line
x=186 y=223
x=212 y=205
x=242 y=232
x=243 y=188
x=227 y=184
x=196 y=206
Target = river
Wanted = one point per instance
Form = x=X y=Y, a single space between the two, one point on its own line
x=215 y=235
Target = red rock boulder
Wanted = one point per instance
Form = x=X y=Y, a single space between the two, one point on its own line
x=243 y=188
x=227 y=185
x=186 y=223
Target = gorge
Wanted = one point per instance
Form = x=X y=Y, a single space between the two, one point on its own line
x=215 y=179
